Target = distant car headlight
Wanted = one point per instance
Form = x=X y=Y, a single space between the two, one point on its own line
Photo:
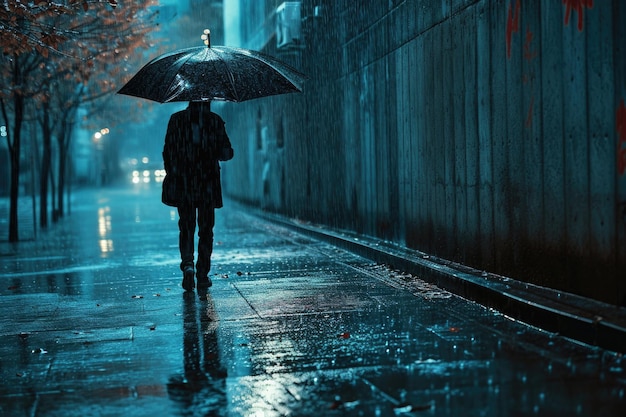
x=159 y=175
x=135 y=178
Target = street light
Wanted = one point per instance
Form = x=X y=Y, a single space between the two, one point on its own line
x=98 y=135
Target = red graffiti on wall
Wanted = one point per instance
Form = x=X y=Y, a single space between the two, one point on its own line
x=621 y=134
x=529 y=52
x=578 y=6
x=529 y=55
x=512 y=25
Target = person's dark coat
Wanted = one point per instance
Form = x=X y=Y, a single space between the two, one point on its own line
x=192 y=166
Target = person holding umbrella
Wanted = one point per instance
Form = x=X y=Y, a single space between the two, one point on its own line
x=195 y=142
x=196 y=139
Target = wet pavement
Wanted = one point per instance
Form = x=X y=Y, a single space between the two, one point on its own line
x=95 y=322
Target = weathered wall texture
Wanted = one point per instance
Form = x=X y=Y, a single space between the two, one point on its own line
x=491 y=133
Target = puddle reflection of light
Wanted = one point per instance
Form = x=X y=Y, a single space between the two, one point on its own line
x=106 y=246
x=104 y=229
x=265 y=390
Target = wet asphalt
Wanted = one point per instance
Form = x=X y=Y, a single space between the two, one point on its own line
x=95 y=322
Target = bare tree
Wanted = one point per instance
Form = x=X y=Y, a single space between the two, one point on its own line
x=46 y=41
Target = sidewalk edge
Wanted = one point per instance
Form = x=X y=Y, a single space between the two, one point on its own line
x=575 y=317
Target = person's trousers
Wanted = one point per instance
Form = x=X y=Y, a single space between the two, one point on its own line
x=205 y=216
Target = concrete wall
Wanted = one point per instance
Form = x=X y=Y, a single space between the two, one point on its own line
x=491 y=133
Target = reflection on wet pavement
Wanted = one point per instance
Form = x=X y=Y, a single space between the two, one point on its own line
x=201 y=388
x=292 y=326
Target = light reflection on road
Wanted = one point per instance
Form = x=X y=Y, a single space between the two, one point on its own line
x=104 y=231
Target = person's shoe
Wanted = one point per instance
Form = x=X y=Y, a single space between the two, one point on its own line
x=204 y=281
x=188 y=283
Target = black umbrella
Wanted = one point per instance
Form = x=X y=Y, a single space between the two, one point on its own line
x=213 y=73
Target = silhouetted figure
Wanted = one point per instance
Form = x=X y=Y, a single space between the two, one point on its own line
x=195 y=142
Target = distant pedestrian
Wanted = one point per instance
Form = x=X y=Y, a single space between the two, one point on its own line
x=195 y=142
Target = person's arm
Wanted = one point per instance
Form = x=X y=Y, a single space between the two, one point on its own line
x=226 y=151
x=168 y=152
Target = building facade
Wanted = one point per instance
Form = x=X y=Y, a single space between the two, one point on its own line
x=487 y=132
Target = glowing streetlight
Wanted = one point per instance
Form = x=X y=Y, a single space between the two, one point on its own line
x=98 y=135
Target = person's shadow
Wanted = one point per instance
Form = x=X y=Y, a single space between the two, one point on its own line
x=201 y=388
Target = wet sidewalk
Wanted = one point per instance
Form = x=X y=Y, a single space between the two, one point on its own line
x=95 y=322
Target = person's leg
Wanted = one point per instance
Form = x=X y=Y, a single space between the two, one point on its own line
x=186 y=227
x=206 y=222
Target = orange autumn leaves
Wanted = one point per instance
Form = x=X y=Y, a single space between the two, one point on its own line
x=43 y=26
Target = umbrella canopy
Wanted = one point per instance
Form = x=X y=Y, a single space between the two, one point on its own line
x=213 y=73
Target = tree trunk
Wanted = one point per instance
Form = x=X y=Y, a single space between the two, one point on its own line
x=44 y=174
x=15 y=151
x=64 y=140
x=15 y=186
x=63 y=146
x=61 y=181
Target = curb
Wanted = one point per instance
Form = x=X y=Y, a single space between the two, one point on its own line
x=569 y=315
